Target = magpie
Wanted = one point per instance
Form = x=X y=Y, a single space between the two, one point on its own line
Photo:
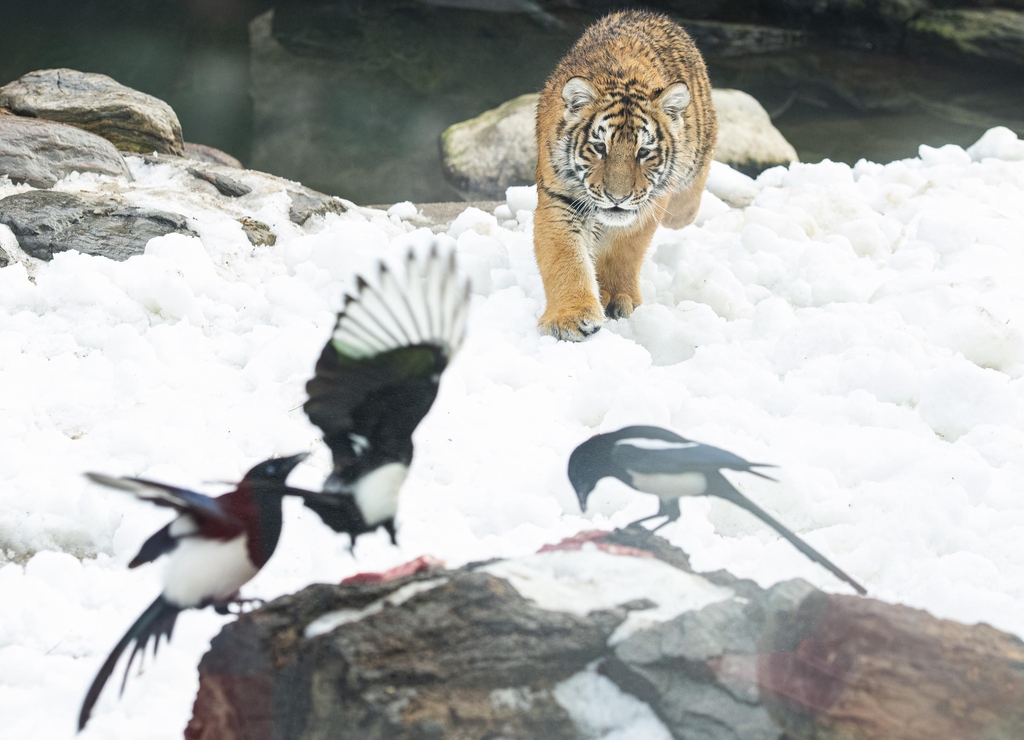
x=655 y=460
x=376 y=379
x=216 y=545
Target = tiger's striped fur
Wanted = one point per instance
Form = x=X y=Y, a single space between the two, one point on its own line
x=625 y=136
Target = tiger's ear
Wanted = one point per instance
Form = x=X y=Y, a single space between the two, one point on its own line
x=674 y=99
x=576 y=94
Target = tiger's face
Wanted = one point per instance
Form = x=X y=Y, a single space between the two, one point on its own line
x=619 y=149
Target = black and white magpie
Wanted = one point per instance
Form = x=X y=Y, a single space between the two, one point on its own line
x=655 y=460
x=216 y=545
x=376 y=379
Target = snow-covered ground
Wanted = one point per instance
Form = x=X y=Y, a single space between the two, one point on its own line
x=861 y=327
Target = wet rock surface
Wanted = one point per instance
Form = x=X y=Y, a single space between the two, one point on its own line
x=982 y=35
x=129 y=119
x=47 y=222
x=40 y=153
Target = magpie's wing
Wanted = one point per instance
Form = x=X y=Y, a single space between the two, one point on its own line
x=180 y=499
x=378 y=375
x=649 y=456
x=165 y=540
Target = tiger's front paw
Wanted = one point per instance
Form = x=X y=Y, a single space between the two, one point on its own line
x=620 y=306
x=571 y=325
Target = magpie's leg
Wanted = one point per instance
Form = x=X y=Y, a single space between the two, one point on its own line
x=224 y=607
x=389 y=527
x=719 y=486
x=669 y=509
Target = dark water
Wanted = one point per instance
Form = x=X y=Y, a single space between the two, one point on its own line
x=350 y=97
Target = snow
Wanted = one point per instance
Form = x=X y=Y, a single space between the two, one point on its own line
x=590 y=580
x=858 y=326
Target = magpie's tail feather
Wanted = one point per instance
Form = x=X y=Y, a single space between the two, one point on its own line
x=760 y=474
x=338 y=511
x=156 y=622
x=729 y=493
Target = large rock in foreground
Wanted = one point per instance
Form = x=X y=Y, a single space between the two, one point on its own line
x=501 y=650
x=498 y=149
x=987 y=35
x=449 y=655
x=40 y=153
x=46 y=222
x=132 y=121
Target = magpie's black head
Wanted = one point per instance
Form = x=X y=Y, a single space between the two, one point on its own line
x=274 y=470
x=589 y=463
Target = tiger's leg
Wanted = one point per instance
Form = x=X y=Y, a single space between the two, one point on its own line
x=618 y=268
x=566 y=267
x=683 y=205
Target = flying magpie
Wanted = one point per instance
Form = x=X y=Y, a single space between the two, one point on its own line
x=216 y=545
x=376 y=379
x=655 y=460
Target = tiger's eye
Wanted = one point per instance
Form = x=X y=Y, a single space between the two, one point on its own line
x=600 y=148
x=642 y=153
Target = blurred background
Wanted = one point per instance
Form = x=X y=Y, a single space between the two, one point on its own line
x=351 y=96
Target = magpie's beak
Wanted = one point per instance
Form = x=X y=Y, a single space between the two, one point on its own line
x=583 y=492
x=288 y=464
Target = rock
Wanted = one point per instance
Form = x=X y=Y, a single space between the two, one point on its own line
x=258 y=233
x=716 y=39
x=210 y=155
x=40 y=152
x=846 y=667
x=224 y=184
x=494 y=151
x=864 y=23
x=747 y=140
x=498 y=149
x=440 y=654
x=132 y=121
x=46 y=222
x=307 y=203
x=989 y=35
x=699 y=671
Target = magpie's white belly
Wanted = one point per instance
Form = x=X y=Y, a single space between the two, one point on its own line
x=202 y=571
x=377 y=492
x=670 y=486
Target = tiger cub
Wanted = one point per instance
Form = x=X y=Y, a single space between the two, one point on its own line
x=625 y=136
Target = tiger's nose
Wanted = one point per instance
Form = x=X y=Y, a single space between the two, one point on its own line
x=616 y=199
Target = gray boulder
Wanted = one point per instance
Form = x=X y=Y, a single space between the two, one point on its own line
x=699 y=671
x=40 y=152
x=987 y=35
x=498 y=149
x=494 y=151
x=130 y=120
x=747 y=140
x=46 y=222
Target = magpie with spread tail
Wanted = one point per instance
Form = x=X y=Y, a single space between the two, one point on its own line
x=216 y=545
x=376 y=379
x=655 y=460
